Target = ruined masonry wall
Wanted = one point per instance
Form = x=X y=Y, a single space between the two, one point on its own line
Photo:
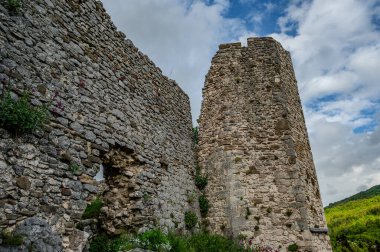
x=254 y=147
x=111 y=106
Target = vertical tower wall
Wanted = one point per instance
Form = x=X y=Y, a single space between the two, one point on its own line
x=254 y=148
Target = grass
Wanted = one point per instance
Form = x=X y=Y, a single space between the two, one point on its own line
x=355 y=225
x=155 y=240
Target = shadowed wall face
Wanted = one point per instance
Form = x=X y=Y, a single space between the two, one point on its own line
x=254 y=146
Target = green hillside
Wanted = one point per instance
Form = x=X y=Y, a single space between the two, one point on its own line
x=354 y=223
x=373 y=191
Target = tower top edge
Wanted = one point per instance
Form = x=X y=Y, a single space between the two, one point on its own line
x=251 y=42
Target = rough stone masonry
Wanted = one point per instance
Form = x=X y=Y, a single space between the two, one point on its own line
x=254 y=148
x=110 y=106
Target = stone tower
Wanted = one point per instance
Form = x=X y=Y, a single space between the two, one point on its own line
x=255 y=150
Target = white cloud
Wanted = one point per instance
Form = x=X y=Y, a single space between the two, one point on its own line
x=336 y=51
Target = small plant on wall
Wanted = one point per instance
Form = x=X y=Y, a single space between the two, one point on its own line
x=203 y=204
x=92 y=210
x=191 y=220
x=19 y=116
x=13 y=5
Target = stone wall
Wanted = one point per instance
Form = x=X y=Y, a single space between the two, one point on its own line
x=110 y=106
x=254 y=147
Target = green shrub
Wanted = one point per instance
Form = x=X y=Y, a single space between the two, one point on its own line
x=19 y=116
x=13 y=5
x=10 y=239
x=203 y=204
x=154 y=240
x=191 y=220
x=293 y=247
x=201 y=182
x=92 y=210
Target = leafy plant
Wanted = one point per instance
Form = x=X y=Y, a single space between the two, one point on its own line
x=201 y=181
x=203 y=204
x=14 y=5
x=191 y=219
x=10 y=239
x=238 y=159
x=74 y=167
x=19 y=116
x=154 y=240
x=92 y=210
x=269 y=210
x=293 y=247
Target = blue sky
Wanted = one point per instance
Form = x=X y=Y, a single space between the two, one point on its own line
x=335 y=48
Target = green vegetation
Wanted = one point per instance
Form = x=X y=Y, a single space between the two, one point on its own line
x=14 y=5
x=74 y=168
x=155 y=240
x=203 y=204
x=196 y=134
x=354 y=225
x=10 y=239
x=293 y=247
x=201 y=181
x=92 y=210
x=373 y=191
x=19 y=116
x=191 y=220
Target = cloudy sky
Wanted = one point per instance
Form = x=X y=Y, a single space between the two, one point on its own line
x=335 y=47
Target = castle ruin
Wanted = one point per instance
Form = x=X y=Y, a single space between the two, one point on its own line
x=113 y=110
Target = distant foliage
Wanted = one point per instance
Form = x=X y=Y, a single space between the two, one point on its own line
x=19 y=116
x=373 y=191
x=92 y=210
x=355 y=225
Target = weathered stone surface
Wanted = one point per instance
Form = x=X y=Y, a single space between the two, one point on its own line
x=108 y=101
x=254 y=147
x=23 y=182
x=38 y=236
